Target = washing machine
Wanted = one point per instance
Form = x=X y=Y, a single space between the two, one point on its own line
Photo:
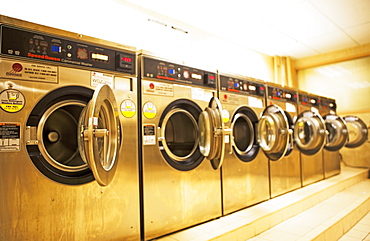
x=68 y=137
x=337 y=136
x=310 y=136
x=357 y=131
x=245 y=178
x=182 y=146
x=285 y=173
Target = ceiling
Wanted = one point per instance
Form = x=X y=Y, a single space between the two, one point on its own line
x=296 y=28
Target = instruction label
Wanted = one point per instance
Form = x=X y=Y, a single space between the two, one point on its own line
x=149 y=134
x=27 y=71
x=11 y=100
x=10 y=134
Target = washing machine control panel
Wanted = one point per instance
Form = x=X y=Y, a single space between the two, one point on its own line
x=328 y=104
x=308 y=100
x=275 y=93
x=42 y=46
x=158 y=69
x=242 y=86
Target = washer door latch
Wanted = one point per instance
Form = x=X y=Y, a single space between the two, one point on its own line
x=31 y=135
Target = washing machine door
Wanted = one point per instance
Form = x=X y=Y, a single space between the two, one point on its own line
x=211 y=133
x=273 y=132
x=337 y=132
x=357 y=131
x=99 y=134
x=310 y=132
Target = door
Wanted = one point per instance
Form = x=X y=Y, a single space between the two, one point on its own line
x=274 y=134
x=310 y=132
x=187 y=134
x=337 y=132
x=73 y=135
x=99 y=135
x=243 y=131
x=357 y=131
x=211 y=133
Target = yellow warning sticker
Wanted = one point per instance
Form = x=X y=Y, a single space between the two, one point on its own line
x=11 y=100
x=149 y=110
x=128 y=108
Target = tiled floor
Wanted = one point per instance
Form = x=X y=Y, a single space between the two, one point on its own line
x=361 y=231
x=320 y=211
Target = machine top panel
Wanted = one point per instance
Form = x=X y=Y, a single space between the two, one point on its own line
x=308 y=100
x=328 y=104
x=29 y=44
x=176 y=73
x=242 y=86
x=281 y=94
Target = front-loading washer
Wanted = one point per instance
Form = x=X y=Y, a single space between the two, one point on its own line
x=182 y=146
x=68 y=136
x=245 y=171
x=285 y=173
x=337 y=136
x=310 y=135
x=354 y=152
x=357 y=131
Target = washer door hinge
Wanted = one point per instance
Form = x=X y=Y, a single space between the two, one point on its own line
x=31 y=135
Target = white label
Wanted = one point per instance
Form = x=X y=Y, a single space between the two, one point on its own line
x=290 y=107
x=149 y=134
x=27 y=71
x=100 y=78
x=10 y=137
x=255 y=102
x=197 y=94
x=157 y=88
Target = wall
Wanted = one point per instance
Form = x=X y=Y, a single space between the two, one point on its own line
x=125 y=23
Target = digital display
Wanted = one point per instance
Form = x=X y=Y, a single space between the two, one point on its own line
x=212 y=77
x=127 y=59
x=196 y=76
x=288 y=96
x=56 y=49
x=252 y=87
x=97 y=56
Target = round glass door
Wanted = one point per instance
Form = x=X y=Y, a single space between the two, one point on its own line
x=310 y=132
x=243 y=134
x=357 y=131
x=337 y=132
x=99 y=135
x=179 y=137
x=211 y=133
x=273 y=132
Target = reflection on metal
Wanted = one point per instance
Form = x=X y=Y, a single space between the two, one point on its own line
x=274 y=132
x=357 y=131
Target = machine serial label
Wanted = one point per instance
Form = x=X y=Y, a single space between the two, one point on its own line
x=10 y=134
x=149 y=134
x=157 y=88
x=27 y=71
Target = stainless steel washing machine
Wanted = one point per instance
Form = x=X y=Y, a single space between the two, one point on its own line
x=68 y=137
x=285 y=173
x=182 y=146
x=245 y=178
x=337 y=136
x=310 y=136
x=357 y=131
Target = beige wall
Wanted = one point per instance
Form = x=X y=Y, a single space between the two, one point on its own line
x=349 y=83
